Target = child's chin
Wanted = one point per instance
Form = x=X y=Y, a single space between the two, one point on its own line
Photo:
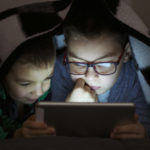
x=30 y=101
x=99 y=92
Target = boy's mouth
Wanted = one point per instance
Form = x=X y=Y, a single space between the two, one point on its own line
x=32 y=100
x=95 y=87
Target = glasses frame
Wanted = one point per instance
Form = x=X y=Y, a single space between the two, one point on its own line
x=92 y=64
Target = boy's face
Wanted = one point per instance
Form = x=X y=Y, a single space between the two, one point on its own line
x=99 y=49
x=25 y=83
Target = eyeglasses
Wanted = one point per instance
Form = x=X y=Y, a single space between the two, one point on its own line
x=81 y=68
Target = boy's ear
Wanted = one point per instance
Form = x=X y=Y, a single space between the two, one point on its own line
x=127 y=53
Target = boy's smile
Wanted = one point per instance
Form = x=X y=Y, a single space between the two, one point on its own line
x=26 y=83
x=102 y=48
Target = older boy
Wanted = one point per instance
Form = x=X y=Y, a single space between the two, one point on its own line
x=98 y=66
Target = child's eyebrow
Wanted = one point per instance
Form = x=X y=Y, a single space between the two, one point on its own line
x=111 y=54
x=22 y=80
x=26 y=80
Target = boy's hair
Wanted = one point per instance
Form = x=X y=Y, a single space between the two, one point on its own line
x=39 y=51
x=92 y=20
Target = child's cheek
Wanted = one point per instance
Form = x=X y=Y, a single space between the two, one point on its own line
x=109 y=81
x=46 y=86
x=17 y=92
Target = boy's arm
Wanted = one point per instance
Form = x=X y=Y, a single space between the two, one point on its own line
x=141 y=128
x=128 y=89
x=143 y=111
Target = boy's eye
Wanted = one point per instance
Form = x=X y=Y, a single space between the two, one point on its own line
x=79 y=64
x=24 y=84
x=49 y=78
x=107 y=65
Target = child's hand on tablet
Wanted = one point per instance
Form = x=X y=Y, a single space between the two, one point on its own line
x=32 y=128
x=82 y=93
x=129 y=131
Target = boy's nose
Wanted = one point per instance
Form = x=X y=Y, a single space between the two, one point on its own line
x=91 y=74
x=38 y=90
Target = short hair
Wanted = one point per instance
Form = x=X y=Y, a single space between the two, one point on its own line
x=92 y=20
x=92 y=29
x=39 y=51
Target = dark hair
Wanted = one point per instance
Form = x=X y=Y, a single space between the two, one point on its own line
x=93 y=19
x=39 y=51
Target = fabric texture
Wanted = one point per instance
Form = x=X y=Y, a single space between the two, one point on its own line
x=28 y=21
x=126 y=14
x=104 y=97
x=141 y=53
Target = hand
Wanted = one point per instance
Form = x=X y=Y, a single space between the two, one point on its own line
x=129 y=131
x=32 y=128
x=82 y=93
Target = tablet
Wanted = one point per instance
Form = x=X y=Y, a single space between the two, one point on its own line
x=84 y=119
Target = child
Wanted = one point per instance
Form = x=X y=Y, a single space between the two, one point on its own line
x=98 y=66
x=26 y=69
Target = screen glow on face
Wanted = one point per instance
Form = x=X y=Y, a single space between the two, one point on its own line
x=102 y=68
x=26 y=83
x=96 y=60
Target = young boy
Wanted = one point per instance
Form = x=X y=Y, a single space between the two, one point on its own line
x=25 y=78
x=98 y=67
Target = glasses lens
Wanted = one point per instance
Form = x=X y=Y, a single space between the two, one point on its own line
x=105 y=68
x=100 y=68
x=77 y=68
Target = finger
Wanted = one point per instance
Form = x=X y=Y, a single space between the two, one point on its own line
x=79 y=83
x=96 y=99
x=87 y=88
x=126 y=136
x=131 y=128
x=38 y=132
x=32 y=124
x=52 y=130
x=125 y=129
x=32 y=117
x=94 y=96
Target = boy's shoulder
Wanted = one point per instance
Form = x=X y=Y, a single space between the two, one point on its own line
x=127 y=85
